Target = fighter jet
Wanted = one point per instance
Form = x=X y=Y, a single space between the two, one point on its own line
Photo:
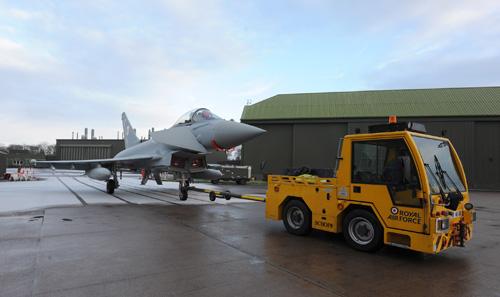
x=180 y=150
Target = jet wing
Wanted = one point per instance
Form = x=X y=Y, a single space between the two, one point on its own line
x=180 y=138
x=84 y=164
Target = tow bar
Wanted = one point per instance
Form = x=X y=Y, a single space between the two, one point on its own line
x=212 y=195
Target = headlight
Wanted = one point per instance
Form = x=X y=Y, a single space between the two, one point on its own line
x=468 y=206
x=442 y=225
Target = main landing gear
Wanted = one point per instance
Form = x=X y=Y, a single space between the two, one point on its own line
x=183 y=190
x=112 y=184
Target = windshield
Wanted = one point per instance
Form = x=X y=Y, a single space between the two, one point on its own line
x=196 y=115
x=437 y=158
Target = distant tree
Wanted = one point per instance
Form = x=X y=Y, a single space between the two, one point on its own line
x=47 y=149
x=15 y=147
x=42 y=148
x=51 y=149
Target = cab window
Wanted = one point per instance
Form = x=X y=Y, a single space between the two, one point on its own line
x=387 y=162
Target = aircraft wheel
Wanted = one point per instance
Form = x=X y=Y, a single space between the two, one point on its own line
x=110 y=186
x=183 y=195
x=214 y=181
x=183 y=191
x=362 y=230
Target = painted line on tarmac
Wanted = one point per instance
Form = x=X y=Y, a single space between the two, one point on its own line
x=138 y=193
x=117 y=197
x=144 y=195
x=165 y=193
x=83 y=202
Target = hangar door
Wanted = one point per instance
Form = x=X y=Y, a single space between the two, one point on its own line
x=315 y=145
x=272 y=149
x=487 y=155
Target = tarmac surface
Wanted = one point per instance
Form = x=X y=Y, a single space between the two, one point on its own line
x=72 y=188
x=166 y=247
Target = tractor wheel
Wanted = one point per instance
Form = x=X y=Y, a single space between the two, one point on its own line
x=362 y=230
x=297 y=218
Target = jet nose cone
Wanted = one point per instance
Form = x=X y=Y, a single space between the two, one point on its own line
x=229 y=134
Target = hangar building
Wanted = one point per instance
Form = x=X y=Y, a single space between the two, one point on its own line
x=304 y=129
x=19 y=155
x=3 y=162
x=87 y=149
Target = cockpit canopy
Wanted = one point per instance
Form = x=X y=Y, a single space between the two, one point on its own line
x=196 y=115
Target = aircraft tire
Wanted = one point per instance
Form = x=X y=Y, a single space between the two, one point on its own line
x=241 y=181
x=183 y=195
x=110 y=186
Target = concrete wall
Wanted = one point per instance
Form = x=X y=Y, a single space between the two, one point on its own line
x=313 y=143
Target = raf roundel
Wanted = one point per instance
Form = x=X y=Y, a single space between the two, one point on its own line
x=394 y=210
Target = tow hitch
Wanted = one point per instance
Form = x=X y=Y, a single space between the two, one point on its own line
x=226 y=195
x=461 y=234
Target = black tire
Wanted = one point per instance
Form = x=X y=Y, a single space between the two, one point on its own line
x=214 y=181
x=241 y=181
x=363 y=231
x=110 y=186
x=297 y=218
x=183 y=195
x=183 y=191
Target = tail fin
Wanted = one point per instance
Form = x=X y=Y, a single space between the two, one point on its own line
x=129 y=135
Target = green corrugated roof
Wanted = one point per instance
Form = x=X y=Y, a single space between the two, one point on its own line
x=480 y=101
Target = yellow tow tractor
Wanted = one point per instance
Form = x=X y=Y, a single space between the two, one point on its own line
x=396 y=185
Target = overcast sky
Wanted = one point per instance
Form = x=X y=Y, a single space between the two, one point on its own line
x=66 y=65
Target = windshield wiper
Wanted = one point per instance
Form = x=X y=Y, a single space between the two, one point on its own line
x=445 y=173
x=441 y=191
x=440 y=171
x=452 y=200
